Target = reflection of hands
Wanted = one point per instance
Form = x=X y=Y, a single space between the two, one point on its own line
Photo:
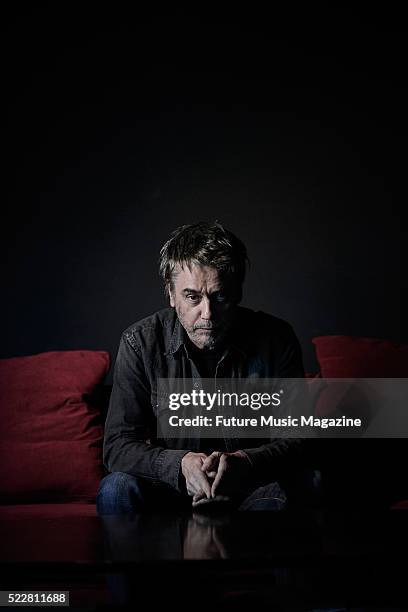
x=203 y=541
x=197 y=482
x=229 y=471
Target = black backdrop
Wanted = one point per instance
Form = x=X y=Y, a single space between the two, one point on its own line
x=119 y=127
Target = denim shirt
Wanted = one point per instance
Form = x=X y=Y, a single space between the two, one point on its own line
x=156 y=347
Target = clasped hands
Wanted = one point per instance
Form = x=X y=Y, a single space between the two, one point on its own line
x=218 y=474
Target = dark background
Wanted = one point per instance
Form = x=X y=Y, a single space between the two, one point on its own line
x=289 y=129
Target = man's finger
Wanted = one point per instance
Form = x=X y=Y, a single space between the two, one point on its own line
x=211 y=474
x=198 y=496
x=206 y=487
x=211 y=462
x=201 y=483
x=220 y=473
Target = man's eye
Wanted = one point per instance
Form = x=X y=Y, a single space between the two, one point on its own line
x=192 y=298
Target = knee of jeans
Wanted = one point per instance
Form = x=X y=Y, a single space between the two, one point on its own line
x=118 y=491
x=305 y=489
x=265 y=503
x=317 y=481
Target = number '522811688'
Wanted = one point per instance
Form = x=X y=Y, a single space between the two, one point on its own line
x=34 y=598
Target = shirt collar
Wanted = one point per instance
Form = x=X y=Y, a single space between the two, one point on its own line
x=177 y=338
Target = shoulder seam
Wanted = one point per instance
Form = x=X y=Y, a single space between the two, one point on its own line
x=129 y=337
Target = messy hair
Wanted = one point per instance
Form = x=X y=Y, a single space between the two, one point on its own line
x=204 y=244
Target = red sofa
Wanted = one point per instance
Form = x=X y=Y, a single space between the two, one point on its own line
x=52 y=432
x=378 y=461
x=51 y=455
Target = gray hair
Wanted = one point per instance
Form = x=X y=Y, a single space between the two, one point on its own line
x=204 y=244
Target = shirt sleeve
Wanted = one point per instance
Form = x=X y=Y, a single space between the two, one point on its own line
x=128 y=422
x=281 y=456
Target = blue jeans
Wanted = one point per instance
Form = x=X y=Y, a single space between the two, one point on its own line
x=122 y=493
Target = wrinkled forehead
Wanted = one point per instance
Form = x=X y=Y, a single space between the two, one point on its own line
x=195 y=276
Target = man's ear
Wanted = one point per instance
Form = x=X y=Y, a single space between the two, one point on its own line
x=171 y=298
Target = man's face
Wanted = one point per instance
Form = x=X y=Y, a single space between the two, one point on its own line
x=203 y=304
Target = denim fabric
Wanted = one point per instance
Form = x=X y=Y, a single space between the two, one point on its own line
x=156 y=347
x=270 y=497
x=121 y=493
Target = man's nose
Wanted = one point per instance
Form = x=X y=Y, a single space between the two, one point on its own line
x=205 y=308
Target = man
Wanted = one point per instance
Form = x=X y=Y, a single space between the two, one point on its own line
x=203 y=334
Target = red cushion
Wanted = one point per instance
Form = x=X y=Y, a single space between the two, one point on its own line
x=402 y=505
x=50 y=437
x=352 y=357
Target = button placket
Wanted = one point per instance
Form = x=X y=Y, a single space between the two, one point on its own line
x=227 y=440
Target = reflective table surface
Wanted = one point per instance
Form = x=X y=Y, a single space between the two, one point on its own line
x=307 y=561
